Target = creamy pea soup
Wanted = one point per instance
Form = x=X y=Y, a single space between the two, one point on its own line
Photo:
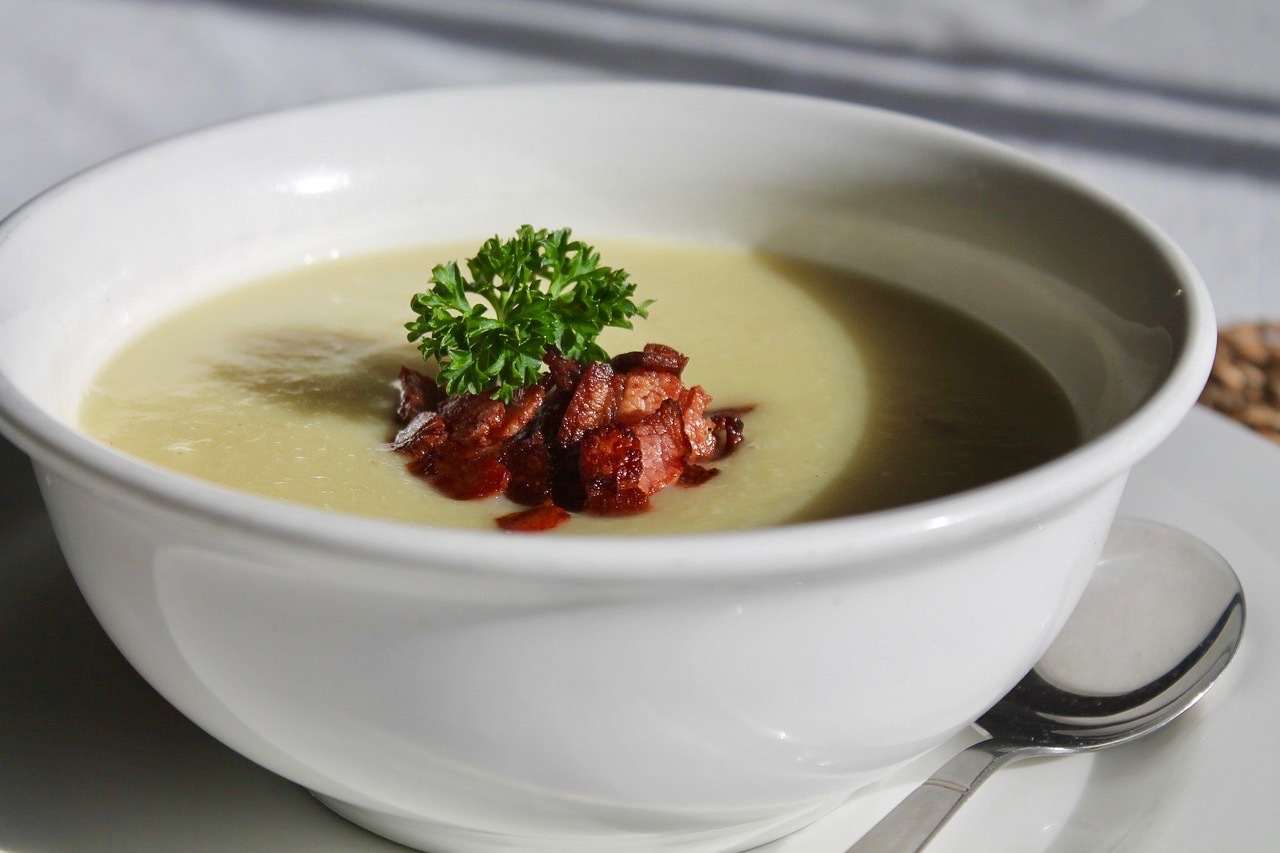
x=866 y=396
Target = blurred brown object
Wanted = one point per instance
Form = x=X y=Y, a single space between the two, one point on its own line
x=1245 y=380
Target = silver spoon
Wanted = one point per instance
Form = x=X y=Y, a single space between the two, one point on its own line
x=1159 y=622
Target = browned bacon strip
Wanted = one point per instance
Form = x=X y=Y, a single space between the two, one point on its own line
x=565 y=372
x=643 y=391
x=422 y=435
x=610 y=459
x=418 y=393
x=593 y=405
x=696 y=475
x=524 y=406
x=730 y=426
x=663 y=447
x=466 y=474
x=626 y=502
x=698 y=428
x=534 y=519
x=527 y=459
x=611 y=464
x=652 y=357
x=474 y=420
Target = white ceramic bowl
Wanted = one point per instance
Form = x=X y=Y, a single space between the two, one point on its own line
x=467 y=691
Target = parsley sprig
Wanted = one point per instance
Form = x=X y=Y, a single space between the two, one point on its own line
x=543 y=288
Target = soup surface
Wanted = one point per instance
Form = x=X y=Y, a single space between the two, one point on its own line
x=867 y=396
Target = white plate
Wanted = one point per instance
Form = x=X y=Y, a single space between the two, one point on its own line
x=92 y=759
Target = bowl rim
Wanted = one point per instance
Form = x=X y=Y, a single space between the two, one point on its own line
x=776 y=550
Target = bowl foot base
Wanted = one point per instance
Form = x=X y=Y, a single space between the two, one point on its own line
x=452 y=838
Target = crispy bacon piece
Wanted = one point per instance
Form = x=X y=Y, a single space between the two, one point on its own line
x=527 y=459
x=467 y=474
x=473 y=419
x=610 y=460
x=418 y=393
x=652 y=357
x=696 y=475
x=612 y=465
x=663 y=447
x=626 y=502
x=643 y=391
x=601 y=437
x=522 y=409
x=698 y=428
x=565 y=372
x=534 y=519
x=592 y=406
x=730 y=426
x=422 y=435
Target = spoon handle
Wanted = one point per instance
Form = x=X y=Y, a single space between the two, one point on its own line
x=917 y=818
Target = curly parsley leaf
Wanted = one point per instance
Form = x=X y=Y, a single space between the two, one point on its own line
x=536 y=290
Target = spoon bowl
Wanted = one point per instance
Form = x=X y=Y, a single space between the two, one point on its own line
x=1159 y=622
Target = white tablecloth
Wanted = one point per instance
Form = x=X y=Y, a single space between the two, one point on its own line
x=1172 y=106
